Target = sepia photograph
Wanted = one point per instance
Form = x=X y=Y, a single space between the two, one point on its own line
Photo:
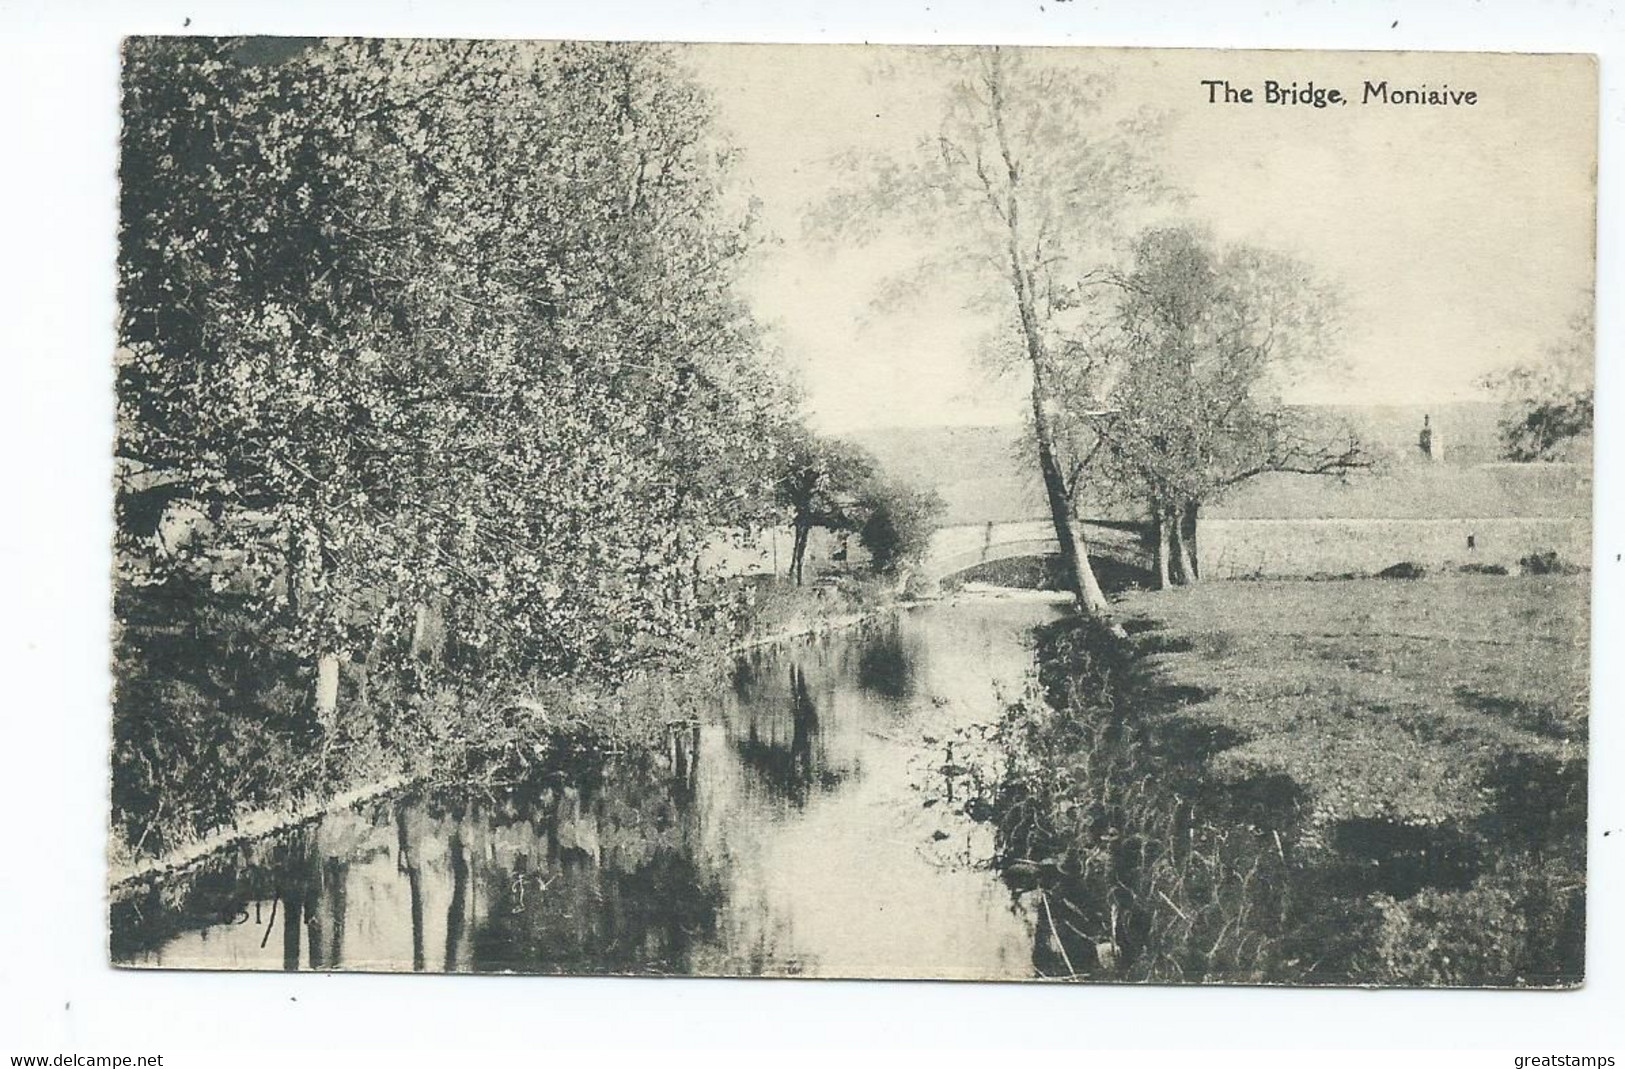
x=973 y=513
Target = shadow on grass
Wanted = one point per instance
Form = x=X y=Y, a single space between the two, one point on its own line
x=1148 y=868
x=1540 y=718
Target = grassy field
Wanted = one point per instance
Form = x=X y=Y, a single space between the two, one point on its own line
x=1380 y=699
x=1360 y=781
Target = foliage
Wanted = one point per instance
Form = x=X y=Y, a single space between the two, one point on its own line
x=1548 y=427
x=420 y=325
x=821 y=482
x=1520 y=924
x=1551 y=400
x=1175 y=398
x=899 y=524
x=782 y=609
x=516 y=387
x=1545 y=563
x=1083 y=166
x=211 y=723
x=506 y=740
x=208 y=719
x=1018 y=194
x=821 y=479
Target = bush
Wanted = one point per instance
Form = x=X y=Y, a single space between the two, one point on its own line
x=207 y=720
x=1546 y=563
x=212 y=722
x=779 y=606
x=900 y=523
x=1522 y=924
x=1403 y=570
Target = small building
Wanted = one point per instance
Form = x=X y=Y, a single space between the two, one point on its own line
x=1433 y=514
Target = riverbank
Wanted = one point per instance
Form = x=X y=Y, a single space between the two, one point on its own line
x=492 y=744
x=1365 y=782
x=810 y=769
x=778 y=610
x=123 y=874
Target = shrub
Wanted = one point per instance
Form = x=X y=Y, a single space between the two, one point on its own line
x=1523 y=923
x=207 y=720
x=1545 y=563
x=899 y=526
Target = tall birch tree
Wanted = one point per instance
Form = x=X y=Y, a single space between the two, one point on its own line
x=1021 y=191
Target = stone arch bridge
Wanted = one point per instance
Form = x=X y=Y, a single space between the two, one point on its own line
x=962 y=547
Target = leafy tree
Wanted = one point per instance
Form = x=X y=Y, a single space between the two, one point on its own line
x=1175 y=399
x=1023 y=187
x=821 y=482
x=1552 y=400
x=898 y=526
x=527 y=382
x=436 y=326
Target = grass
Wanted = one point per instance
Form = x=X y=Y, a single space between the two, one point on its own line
x=1366 y=781
x=1379 y=699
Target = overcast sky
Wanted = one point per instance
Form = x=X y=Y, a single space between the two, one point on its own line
x=1460 y=237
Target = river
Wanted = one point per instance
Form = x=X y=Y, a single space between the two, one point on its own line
x=803 y=829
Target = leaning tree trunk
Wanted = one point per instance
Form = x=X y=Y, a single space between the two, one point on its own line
x=1074 y=551
x=1093 y=596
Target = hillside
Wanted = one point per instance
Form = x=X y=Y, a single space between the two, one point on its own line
x=982 y=473
x=988 y=474
x=1467 y=432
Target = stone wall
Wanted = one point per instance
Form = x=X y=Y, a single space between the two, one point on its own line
x=1299 y=547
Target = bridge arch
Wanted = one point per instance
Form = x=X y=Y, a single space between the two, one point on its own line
x=962 y=547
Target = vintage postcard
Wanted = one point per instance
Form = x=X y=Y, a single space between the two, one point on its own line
x=979 y=513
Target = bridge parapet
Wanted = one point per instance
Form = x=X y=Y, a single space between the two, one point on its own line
x=962 y=547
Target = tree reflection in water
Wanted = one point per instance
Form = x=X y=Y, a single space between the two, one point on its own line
x=619 y=888
x=888 y=664
x=789 y=833
x=781 y=738
x=595 y=871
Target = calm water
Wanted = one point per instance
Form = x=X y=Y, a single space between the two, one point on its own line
x=804 y=830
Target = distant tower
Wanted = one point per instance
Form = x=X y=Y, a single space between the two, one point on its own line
x=1431 y=444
